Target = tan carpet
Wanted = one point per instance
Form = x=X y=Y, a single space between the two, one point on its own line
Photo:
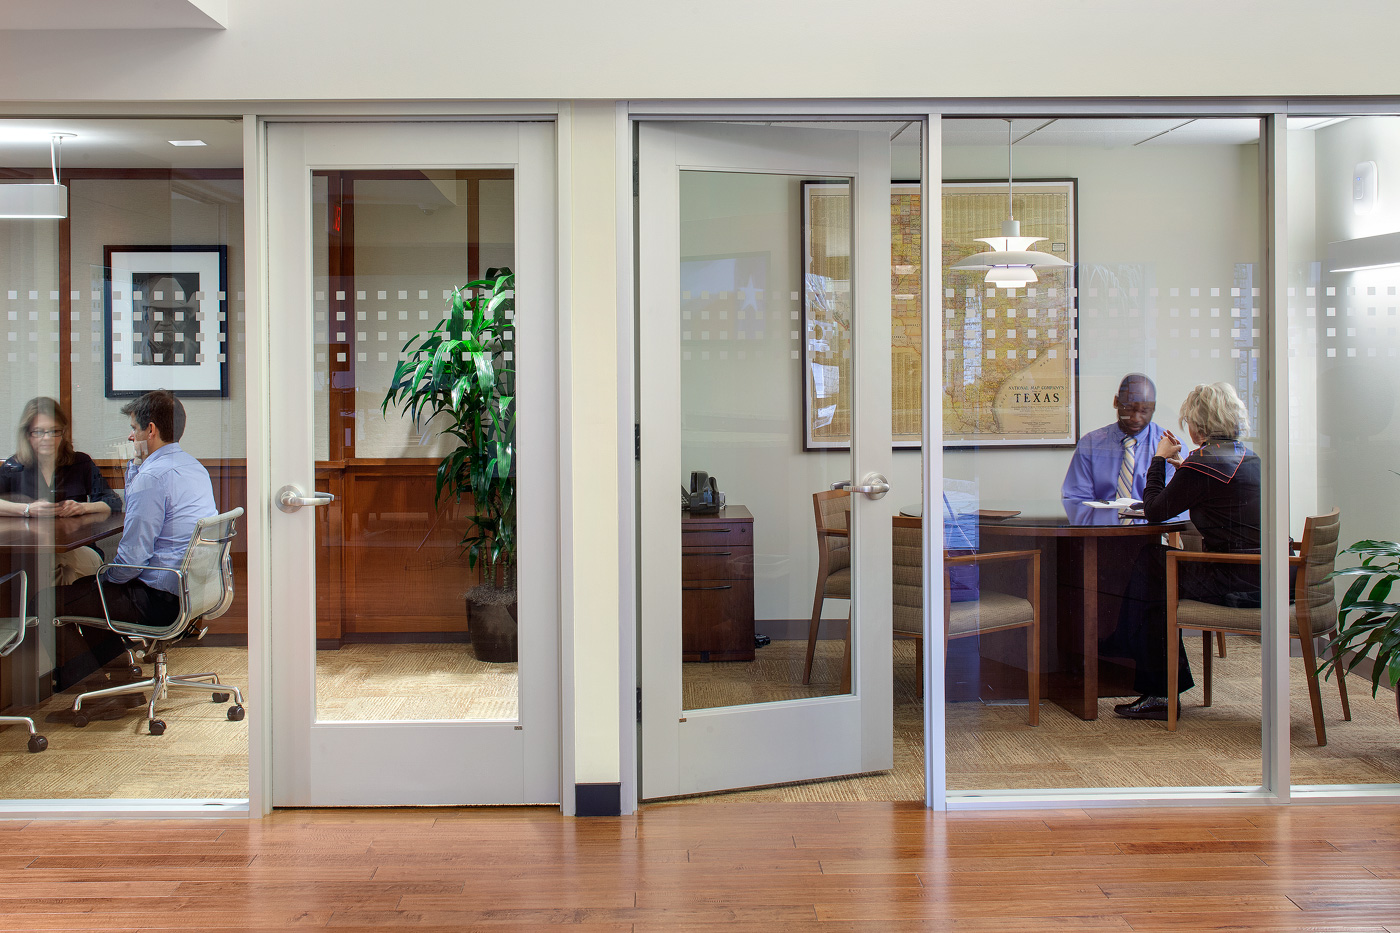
x=989 y=747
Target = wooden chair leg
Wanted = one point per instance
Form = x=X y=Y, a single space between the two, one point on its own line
x=1033 y=675
x=1314 y=691
x=919 y=664
x=813 y=629
x=1220 y=642
x=1206 y=666
x=846 y=659
x=1173 y=648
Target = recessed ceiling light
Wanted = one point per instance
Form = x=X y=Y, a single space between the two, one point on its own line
x=187 y=142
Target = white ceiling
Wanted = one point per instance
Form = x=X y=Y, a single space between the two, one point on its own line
x=122 y=143
x=114 y=14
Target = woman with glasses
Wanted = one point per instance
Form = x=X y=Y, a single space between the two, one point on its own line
x=47 y=478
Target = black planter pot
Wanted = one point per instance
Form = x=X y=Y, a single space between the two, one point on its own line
x=491 y=620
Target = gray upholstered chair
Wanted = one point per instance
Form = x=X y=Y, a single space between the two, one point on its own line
x=205 y=578
x=832 y=509
x=12 y=629
x=992 y=611
x=1312 y=614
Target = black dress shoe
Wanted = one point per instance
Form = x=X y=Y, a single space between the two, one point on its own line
x=1143 y=708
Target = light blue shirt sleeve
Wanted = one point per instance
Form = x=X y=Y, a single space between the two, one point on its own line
x=145 y=516
x=1079 y=478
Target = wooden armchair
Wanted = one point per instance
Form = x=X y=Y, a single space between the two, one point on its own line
x=1312 y=613
x=991 y=612
x=832 y=510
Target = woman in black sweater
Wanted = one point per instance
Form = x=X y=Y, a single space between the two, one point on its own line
x=1218 y=483
x=47 y=478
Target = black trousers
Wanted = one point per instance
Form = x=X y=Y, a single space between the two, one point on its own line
x=1142 y=622
x=80 y=653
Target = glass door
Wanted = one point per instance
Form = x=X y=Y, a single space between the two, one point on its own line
x=414 y=443
x=765 y=298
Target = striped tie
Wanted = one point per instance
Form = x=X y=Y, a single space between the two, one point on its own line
x=1125 y=472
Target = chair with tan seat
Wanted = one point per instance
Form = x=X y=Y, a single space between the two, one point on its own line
x=12 y=629
x=992 y=611
x=832 y=509
x=1312 y=614
x=205 y=581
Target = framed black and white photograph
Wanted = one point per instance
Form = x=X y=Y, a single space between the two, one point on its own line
x=166 y=320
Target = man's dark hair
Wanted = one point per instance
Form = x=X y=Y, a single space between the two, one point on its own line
x=157 y=407
x=1138 y=385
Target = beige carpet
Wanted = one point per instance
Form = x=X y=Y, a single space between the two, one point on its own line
x=989 y=747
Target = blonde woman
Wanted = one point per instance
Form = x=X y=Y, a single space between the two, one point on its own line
x=47 y=478
x=1218 y=484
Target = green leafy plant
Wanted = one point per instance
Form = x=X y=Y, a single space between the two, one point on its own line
x=1368 y=619
x=459 y=377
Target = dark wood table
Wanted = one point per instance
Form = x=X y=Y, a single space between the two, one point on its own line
x=1069 y=534
x=22 y=542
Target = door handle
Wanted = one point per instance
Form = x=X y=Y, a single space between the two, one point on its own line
x=873 y=485
x=290 y=499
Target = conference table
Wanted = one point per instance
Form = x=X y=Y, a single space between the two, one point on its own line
x=23 y=543
x=1086 y=556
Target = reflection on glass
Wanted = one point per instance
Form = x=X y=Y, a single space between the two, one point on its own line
x=1103 y=355
x=397 y=640
x=1342 y=349
x=765 y=367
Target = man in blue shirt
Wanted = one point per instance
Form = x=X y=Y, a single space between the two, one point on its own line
x=165 y=497
x=1111 y=462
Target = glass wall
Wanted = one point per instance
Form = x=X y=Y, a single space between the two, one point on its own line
x=1142 y=317
x=1344 y=436
x=140 y=288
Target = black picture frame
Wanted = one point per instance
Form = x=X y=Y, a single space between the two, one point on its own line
x=165 y=320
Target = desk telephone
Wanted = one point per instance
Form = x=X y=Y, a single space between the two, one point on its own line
x=703 y=496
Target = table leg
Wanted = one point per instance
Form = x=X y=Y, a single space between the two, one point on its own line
x=1090 y=649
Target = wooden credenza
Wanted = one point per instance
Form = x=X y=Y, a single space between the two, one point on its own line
x=717 y=585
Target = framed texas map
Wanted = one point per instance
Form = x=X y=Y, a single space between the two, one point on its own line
x=1010 y=376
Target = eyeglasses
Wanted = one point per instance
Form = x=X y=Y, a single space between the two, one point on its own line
x=40 y=433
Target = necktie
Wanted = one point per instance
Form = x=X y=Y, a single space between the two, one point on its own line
x=1125 y=472
x=1125 y=469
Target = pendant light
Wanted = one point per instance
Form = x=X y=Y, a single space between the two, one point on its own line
x=37 y=201
x=1010 y=263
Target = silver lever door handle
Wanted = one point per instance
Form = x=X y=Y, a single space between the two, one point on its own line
x=289 y=498
x=873 y=485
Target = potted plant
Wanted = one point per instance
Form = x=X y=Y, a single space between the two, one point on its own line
x=1368 y=617
x=460 y=377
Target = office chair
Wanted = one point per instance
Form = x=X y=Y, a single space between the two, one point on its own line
x=205 y=577
x=832 y=510
x=11 y=637
x=1312 y=613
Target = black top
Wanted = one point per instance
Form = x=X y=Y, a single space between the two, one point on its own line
x=80 y=481
x=1219 y=484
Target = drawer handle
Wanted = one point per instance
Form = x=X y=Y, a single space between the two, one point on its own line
x=704 y=531
x=726 y=586
x=707 y=553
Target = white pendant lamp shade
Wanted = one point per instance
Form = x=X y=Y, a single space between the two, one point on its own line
x=1010 y=263
x=42 y=201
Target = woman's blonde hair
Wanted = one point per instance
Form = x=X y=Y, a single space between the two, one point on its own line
x=1215 y=410
x=43 y=405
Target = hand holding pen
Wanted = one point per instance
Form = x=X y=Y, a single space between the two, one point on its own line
x=1169 y=448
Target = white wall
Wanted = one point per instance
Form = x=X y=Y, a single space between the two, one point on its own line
x=1358 y=441
x=444 y=49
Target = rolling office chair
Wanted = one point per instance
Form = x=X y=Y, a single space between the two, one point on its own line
x=11 y=637
x=205 y=576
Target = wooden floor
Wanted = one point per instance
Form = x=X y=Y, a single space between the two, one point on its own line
x=715 y=867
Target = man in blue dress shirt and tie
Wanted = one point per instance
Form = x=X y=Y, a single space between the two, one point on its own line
x=166 y=495
x=1111 y=462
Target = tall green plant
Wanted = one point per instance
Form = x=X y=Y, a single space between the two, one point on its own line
x=459 y=377
x=1369 y=619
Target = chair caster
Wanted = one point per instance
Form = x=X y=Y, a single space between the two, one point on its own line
x=235 y=714
x=135 y=671
x=37 y=743
x=157 y=727
x=80 y=718
x=219 y=697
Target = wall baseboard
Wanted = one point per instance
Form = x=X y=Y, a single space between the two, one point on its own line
x=598 y=799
